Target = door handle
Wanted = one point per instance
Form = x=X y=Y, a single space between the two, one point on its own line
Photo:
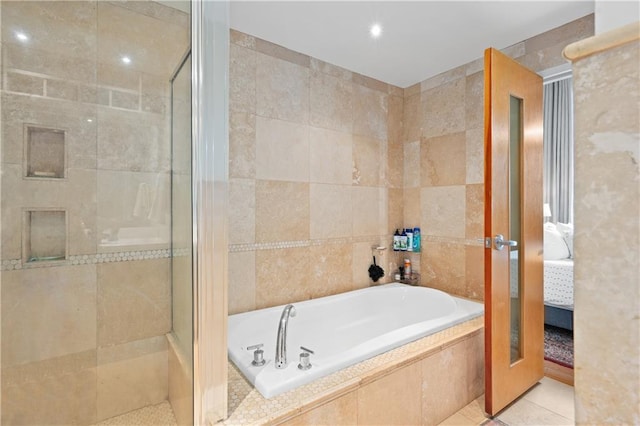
x=499 y=242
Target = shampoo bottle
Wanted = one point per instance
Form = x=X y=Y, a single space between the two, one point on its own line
x=403 y=241
x=409 y=233
x=396 y=241
x=416 y=239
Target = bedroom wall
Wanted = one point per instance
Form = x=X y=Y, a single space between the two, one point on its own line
x=444 y=161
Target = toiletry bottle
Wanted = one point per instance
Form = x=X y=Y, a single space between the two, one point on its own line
x=396 y=241
x=407 y=268
x=409 y=233
x=403 y=241
x=416 y=239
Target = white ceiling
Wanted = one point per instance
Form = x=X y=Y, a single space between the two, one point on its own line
x=420 y=38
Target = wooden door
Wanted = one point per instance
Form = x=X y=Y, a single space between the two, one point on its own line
x=514 y=311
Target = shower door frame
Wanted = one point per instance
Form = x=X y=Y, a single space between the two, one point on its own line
x=210 y=183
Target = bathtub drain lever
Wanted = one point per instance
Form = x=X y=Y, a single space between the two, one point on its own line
x=258 y=359
x=305 y=364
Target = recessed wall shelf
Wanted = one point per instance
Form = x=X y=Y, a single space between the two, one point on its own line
x=44 y=152
x=44 y=235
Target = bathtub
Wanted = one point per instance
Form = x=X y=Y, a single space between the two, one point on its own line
x=341 y=330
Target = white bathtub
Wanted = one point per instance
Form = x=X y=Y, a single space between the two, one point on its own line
x=342 y=330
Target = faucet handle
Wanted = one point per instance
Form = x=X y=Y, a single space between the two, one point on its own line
x=258 y=355
x=305 y=363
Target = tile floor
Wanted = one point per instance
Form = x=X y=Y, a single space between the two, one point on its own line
x=154 y=415
x=547 y=403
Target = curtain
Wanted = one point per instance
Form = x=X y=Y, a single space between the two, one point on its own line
x=558 y=149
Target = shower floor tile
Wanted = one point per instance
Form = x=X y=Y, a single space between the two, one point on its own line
x=155 y=415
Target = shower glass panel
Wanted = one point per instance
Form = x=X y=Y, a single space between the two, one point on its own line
x=85 y=213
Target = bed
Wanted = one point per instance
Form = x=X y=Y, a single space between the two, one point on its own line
x=558 y=274
x=558 y=290
x=558 y=293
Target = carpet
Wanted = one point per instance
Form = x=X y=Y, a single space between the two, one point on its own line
x=558 y=345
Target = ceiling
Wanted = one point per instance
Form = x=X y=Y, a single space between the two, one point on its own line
x=419 y=38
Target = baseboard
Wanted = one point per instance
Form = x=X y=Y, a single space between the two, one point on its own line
x=558 y=372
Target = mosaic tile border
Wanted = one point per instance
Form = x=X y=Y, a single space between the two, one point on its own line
x=307 y=243
x=91 y=259
x=235 y=248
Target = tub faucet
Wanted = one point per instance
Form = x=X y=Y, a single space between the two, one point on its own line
x=281 y=342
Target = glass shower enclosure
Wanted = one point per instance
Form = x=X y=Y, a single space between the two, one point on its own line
x=95 y=211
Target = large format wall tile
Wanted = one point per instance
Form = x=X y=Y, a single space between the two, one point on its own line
x=451 y=379
x=367 y=167
x=402 y=385
x=281 y=276
x=242 y=202
x=56 y=391
x=242 y=282
x=47 y=313
x=330 y=269
x=282 y=89
x=369 y=112
x=443 y=267
x=443 y=109
x=133 y=301
x=366 y=211
x=443 y=210
x=282 y=150
x=131 y=375
x=340 y=411
x=242 y=81
x=76 y=195
x=80 y=134
x=242 y=144
x=330 y=211
x=330 y=156
x=443 y=160
x=331 y=102
x=282 y=211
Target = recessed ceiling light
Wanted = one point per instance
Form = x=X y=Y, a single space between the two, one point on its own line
x=375 y=30
x=126 y=60
x=89 y=120
x=22 y=36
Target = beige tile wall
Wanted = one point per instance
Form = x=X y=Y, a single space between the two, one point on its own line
x=315 y=166
x=430 y=390
x=84 y=340
x=607 y=239
x=444 y=161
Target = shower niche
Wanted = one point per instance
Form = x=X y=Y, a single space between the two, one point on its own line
x=44 y=154
x=44 y=236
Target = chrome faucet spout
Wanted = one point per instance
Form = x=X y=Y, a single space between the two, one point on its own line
x=281 y=342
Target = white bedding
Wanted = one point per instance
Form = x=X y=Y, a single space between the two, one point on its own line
x=558 y=283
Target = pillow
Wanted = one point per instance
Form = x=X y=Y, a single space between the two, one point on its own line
x=566 y=229
x=555 y=248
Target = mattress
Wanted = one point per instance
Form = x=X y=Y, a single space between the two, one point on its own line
x=558 y=283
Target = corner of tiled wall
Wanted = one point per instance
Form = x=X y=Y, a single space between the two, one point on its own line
x=315 y=175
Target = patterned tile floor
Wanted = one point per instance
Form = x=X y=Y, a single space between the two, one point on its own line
x=154 y=415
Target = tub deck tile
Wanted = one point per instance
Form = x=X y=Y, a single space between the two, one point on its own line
x=248 y=407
